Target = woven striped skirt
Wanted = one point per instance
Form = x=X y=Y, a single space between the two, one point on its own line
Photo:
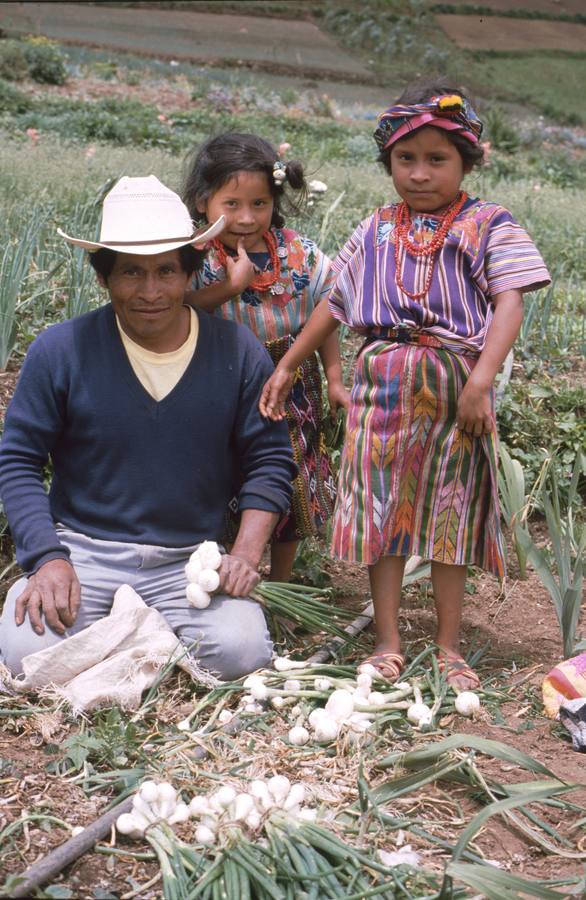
x=411 y=483
x=314 y=488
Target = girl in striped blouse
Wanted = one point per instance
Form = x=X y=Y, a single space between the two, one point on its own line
x=435 y=283
x=265 y=276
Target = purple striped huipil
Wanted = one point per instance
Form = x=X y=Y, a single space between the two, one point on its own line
x=485 y=252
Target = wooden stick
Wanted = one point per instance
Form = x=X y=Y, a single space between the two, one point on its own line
x=64 y=855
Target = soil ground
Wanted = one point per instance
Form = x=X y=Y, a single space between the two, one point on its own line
x=507 y=34
x=297 y=47
x=553 y=7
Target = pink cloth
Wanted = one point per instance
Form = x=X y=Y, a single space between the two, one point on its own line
x=566 y=681
x=430 y=119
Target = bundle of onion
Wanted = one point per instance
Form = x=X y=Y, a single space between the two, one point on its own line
x=309 y=607
x=153 y=803
x=351 y=704
x=219 y=813
x=202 y=574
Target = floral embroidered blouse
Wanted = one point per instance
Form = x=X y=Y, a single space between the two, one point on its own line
x=305 y=276
x=485 y=253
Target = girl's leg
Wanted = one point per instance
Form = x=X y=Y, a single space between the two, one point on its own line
x=386 y=580
x=448 y=589
x=282 y=559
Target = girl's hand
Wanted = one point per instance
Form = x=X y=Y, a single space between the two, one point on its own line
x=239 y=270
x=338 y=397
x=474 y=414
x=275 y=392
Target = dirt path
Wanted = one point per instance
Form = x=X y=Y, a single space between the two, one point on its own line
x=279 y=45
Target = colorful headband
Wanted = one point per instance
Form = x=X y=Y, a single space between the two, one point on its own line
x=449 y=111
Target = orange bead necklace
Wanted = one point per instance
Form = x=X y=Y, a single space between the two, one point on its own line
x=264 y=280
x=402 y=228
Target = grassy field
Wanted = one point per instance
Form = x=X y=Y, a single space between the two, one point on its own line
x=61 y=148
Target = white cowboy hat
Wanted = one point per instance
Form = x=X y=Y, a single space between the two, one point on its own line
x=143 y=216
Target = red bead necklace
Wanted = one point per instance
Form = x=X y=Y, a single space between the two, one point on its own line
x=264 y=280
x=402 y=239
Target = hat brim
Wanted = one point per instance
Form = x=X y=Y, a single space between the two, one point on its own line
x=150 y=248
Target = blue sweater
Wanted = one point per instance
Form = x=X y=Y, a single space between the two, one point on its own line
x=129 y=468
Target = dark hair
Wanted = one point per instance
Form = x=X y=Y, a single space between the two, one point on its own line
x=420 y=91
x=211 y=166
x=103 y=260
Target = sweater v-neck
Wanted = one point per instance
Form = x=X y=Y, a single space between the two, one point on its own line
x=123 y=368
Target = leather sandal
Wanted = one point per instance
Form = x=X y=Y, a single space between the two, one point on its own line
x=389 y=665
x=456 y=667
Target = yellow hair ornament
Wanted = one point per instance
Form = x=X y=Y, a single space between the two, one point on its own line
x=451 y=101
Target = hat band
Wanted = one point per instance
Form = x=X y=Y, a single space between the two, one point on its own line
x=147 y=243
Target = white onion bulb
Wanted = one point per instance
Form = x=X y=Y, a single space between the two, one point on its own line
x=316 y=715
x=467 y=703
x=193 y=568
x=375 y=698
x=326 y=729
x=204 y=835
x=208 y=580
x=364 y=684
x=199 y=805
x=126 y=824
x=197 y=596
x=260 y=791
x=225 y=795
x=307 y=814
x=279 y=786
x=148 y=791
x=368 y=669
x=243 y=806
x=340 y=705
x=181 y=814
x=298 y=736
x=209 y=555
x=253 y=820
x=284 y=664
x=419 y=713
x=295 y=797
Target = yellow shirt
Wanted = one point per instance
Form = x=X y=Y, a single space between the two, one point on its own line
x=160 y=372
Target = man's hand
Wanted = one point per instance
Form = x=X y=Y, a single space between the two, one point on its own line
x=474 y=415
x=239 y=270
x=53 y=592
x=238 y=577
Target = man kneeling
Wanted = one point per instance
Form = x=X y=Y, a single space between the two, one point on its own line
x=148 y=413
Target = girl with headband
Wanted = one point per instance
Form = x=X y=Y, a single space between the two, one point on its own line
x=265 y=276
x=435 y=284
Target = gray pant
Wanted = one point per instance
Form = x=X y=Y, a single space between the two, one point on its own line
x=231 y=635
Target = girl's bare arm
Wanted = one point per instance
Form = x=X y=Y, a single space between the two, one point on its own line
x=330 y=357
x=474 y=406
